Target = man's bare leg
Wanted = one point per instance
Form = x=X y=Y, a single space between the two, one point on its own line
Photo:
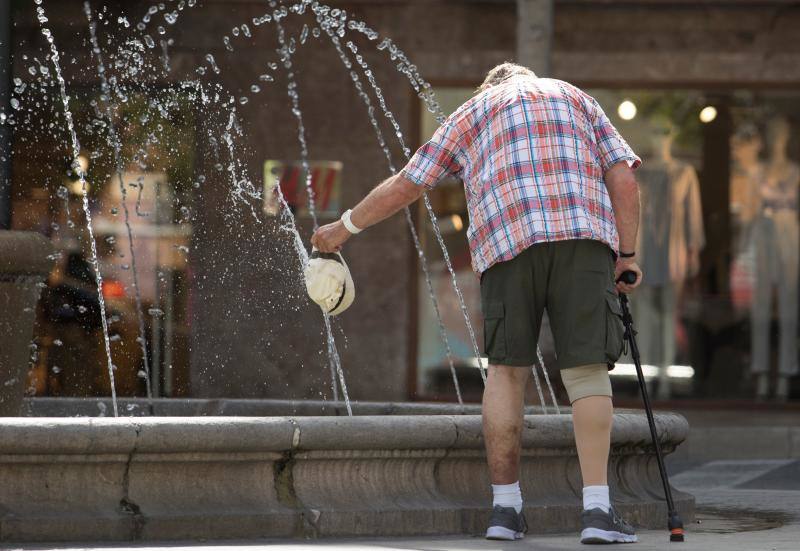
x=503 y=401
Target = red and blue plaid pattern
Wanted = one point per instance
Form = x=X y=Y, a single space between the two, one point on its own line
x=531 y=154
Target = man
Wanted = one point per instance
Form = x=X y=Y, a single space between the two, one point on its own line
x=554 y=213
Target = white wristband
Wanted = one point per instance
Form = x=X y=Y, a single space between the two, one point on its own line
x=352 y=228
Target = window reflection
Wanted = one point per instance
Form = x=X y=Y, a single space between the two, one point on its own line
x=719 y=244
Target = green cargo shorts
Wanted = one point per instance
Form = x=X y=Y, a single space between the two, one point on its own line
x=574 y=281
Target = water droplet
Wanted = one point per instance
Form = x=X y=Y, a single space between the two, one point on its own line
x=14 y=103
x=235 y=31
x=161 y=30
x=255 y=88
x=243 y=100
x=82 y=309
x=58 y=342
x=266 y=78
x=32 y=70
x=55 y=369
x=304 y=34
x=155 y=312
x=211 y=61
x=149 y=41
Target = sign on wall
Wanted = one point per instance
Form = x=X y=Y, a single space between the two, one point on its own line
x=325 y=183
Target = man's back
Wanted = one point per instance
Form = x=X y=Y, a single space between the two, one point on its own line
x=531 y=153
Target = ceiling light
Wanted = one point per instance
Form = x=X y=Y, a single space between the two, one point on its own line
x=627 y=110
x=708 y=114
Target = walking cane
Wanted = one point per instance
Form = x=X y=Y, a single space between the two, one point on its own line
x=674 y=522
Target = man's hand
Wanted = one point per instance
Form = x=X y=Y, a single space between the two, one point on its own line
x=330 y=237
x=625 y=265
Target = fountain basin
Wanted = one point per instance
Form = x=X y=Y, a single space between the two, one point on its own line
x=178 y=478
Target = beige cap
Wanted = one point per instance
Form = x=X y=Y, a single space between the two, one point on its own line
x=329 y=283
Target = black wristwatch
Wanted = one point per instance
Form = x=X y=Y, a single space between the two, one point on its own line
x=626 y=255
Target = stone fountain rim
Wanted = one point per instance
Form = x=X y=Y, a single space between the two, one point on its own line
x=126 y=435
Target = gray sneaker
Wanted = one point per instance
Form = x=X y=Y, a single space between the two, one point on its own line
x=601 y=527
x=506 y=524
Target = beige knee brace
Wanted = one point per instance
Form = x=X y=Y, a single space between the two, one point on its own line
x=586 y=380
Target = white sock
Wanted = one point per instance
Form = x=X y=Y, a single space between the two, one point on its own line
x=596 y=497
x=507 y=495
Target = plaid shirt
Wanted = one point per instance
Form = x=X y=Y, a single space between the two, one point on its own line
x=531 y=153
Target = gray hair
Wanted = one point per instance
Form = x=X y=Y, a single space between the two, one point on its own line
x=503 y=72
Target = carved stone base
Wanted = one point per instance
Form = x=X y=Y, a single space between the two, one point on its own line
x=243 y=477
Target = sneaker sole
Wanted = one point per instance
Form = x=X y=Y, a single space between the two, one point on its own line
x=502 y=533
x=596 y=535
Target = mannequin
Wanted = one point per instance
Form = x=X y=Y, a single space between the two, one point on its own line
x=670 y=242
x=776 y=237
x=747 y=174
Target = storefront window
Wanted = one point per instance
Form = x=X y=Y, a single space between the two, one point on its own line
x=150 y=197
x=717 y=312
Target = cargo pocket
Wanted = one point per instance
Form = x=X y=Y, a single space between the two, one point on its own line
x=494 y=330
x=615 y=331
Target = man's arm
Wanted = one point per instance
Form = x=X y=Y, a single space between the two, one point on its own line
x=386 y=199
x=433 y=161
x=624 y=193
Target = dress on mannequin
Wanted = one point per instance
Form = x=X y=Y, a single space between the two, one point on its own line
x=775 y=238
x=747 y=174
x=670 y=240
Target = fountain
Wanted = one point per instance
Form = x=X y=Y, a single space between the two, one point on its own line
x=170 y=469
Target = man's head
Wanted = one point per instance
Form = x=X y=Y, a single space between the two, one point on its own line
x=503 y=72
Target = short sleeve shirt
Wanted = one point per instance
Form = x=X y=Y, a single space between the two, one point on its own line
x=531 y=153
